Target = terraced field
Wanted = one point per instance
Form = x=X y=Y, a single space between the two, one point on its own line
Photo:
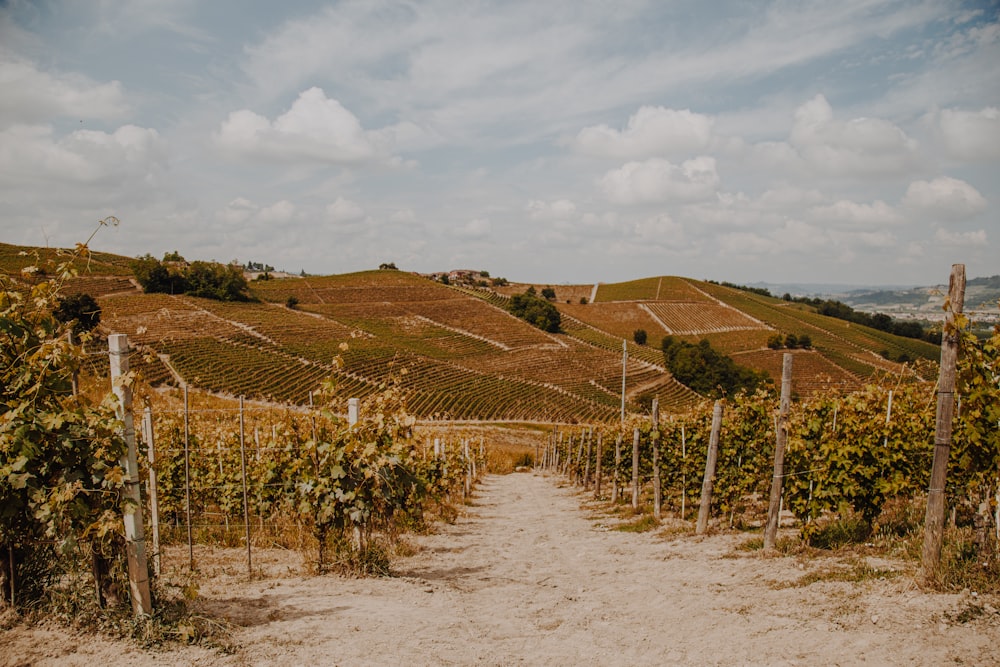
x=454 y=350
x=498 y=370
x=852 y=347
x=13 y=258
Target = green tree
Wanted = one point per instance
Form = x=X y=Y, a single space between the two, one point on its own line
x=639 y=336
x=707 y=371
x=79 y=311
x=535 y=310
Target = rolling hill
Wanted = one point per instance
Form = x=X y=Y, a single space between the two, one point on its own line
x=455 y=351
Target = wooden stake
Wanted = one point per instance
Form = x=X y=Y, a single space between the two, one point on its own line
x=684 y=491
x=624 y=365
x=615 y=473
x=708 y=483
x=635 y=468
x=655 y=434
x=135 y=541
x=774 y=506
x=586 y=465
x=154 y=505
x=600 y=455
x=246 y=501
x=934 y=521
x=187 y=479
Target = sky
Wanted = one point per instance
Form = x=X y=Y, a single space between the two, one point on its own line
x=851 y=142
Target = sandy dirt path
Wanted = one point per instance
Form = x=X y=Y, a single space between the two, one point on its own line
x=527 y=577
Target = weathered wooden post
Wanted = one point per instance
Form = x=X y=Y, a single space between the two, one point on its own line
x=934 y=520
x=353 y=410
x=135 y=541
x=684 y=490
x=655 y=434
x=246 y=501
x=586 y=464
x=615 y=474
x=597 y=472
x=187 y=478
x=777 y=480
x=154 y=505
x=708 y=484
x=635 y=468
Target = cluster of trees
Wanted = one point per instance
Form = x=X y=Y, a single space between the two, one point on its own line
x=708 y=371
x=173 y=275
x=840 y=310
x=79 y=311
x=536 y=310
x=879 y=321
x=763 y=291
x=791 y=341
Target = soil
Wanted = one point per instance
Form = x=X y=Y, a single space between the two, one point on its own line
x=533 y=573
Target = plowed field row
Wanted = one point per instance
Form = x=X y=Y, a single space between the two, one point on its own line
x=812 y=373
x=701 y=318
x=840 y=341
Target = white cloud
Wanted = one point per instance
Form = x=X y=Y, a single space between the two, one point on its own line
x=660 y=230
x=845 y=211
x=277 y=213
x=315 y=129
x=30 y=153
x=42 y=174
x=880 y=239
x=243 y=213
x=971 y=135
x=799 y=236
x=30 y=95
x=657 y=180
x=944 y=197
x=974 y=238
x=237 y=211
x=478 y=228
x=403 y=215
x=742 y=244
x=650 y=131
x=561 y=209
x=857 y=147
x=344 y=210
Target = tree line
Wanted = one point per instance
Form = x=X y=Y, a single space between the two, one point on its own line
x=173 y=275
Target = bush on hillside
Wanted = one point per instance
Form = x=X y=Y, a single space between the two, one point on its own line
x=535 y=310
x=708 y=371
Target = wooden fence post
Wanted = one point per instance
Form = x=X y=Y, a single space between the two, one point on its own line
x=600 y=455
x=154 y=505
x=586 y=465
x=684 y=491
x=934 y=520
x=635 y=468
x=187 y=478
x=616 y=473
x=708 y=484
x=655 y=434
x=777 y=480
x=135 y=541
x=353 y=411
x=246 y=501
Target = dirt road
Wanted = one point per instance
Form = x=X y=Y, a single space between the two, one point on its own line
x=528 y=578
